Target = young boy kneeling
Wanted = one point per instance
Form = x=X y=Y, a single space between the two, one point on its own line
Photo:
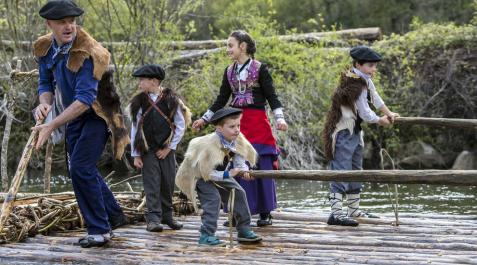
x=209 y=167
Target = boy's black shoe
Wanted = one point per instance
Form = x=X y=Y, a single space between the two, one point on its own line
x=89 y=241
x=154 y=227
x=174 y=225
x=265 y=219
x=118 y=221
x=341 y=220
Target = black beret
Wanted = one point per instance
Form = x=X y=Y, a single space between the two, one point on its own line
x=364 y=53
x=222 y=113
x=150 y=71
x=58 y=9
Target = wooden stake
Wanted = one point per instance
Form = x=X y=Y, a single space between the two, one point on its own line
x=17 y=179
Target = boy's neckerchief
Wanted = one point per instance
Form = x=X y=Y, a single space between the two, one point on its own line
x=230 y=146
x=366 y=77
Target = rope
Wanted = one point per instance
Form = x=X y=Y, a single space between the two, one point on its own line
x=394 y=203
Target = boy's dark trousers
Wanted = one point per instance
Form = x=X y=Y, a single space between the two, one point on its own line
x=158 y=180
x=212 y=194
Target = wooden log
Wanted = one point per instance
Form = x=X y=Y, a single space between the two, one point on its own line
x=444 y=122
x=22 y=166
x=10 y=104
x=365 y=34
x=433 y=177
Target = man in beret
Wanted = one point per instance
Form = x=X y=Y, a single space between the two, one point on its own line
x=343 y=136
x=159 y=119
x=71 y=63
x=208 y=170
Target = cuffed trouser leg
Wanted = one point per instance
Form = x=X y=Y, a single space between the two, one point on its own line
x=209 y=198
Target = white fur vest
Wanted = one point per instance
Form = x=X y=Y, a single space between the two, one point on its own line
x=203 y=155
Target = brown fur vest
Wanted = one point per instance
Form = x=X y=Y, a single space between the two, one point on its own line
x=107 y=104
x=346 y=94
x=141 y=102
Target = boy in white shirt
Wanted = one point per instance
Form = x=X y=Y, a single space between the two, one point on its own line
x=159 y=119
x=343 y=136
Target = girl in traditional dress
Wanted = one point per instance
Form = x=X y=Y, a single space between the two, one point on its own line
x=250 y=84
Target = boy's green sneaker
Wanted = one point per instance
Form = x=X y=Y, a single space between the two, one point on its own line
x=248 y=237
x=210 y=240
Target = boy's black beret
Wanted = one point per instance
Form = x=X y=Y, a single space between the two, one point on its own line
x=222 y=113
x=364 y=53
x=150 y=71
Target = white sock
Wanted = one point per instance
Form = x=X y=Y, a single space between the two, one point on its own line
x=336 y=202
x=100 y=238
x=353 y=205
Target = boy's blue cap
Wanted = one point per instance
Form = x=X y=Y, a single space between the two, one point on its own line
x=59 y=9
x=222 y=113
x=364 y=53
x=150 y=71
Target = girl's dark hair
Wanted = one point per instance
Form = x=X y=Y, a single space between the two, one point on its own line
x=243 y=36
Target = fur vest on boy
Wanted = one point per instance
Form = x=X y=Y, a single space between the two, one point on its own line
x=158 y=135
x=342 y=113
x=203 y=155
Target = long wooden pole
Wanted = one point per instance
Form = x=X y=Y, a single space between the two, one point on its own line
x=17 y=179
x=434 y=177
x=367 y=34
x=445 y=122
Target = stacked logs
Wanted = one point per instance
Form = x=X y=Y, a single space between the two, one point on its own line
x=49 y=214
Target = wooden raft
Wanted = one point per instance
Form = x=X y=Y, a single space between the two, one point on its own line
x=294 y=238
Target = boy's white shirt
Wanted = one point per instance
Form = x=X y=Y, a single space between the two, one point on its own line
x=362 y=106
x=179 y=122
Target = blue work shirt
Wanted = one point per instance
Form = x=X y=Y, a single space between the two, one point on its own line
x=81 y=86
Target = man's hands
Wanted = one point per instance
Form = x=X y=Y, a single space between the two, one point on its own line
x=42 y=111
x=44 y=132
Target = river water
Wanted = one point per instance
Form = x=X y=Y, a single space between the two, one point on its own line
x=312 y=195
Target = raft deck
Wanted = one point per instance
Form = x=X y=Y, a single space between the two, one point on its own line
x=295 y=238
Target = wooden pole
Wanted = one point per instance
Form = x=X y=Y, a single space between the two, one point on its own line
x=433 y=177
x=17 y=179
x=367 y=34
x=445 y=122
x=9 y=98
x=48 y=162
